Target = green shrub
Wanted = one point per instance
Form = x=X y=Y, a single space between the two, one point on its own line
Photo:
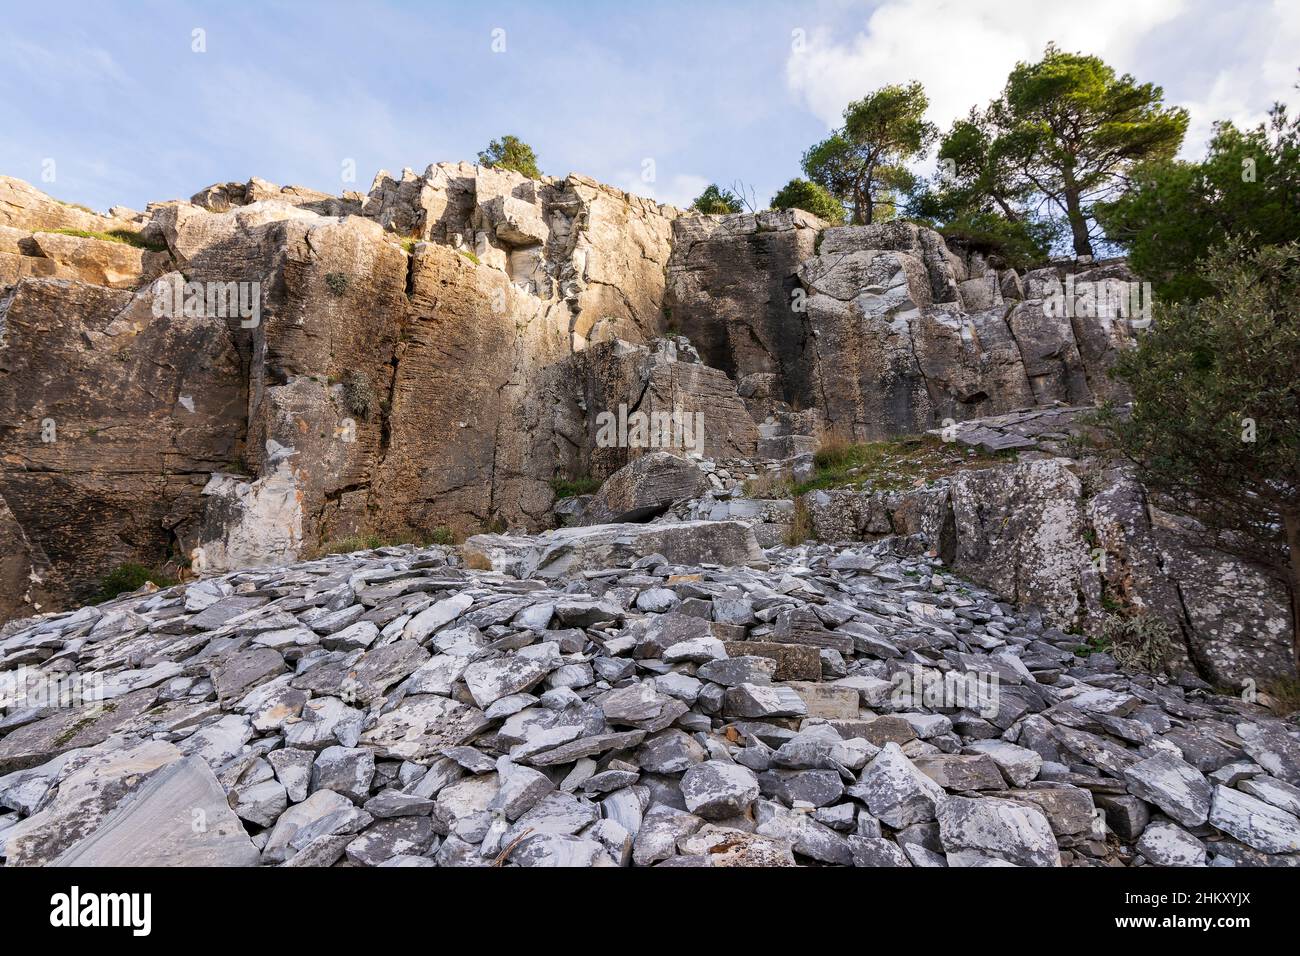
x=511 y=152
x=716 y=201
x=129 y=577
x=337 y=282
x=810 y=197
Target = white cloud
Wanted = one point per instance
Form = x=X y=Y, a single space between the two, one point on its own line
x=962 y=50
x=1263 y=71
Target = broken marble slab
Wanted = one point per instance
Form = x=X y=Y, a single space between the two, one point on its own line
x=179 y=817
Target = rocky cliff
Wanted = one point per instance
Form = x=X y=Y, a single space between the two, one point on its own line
x=240 y=378
x=728 y=654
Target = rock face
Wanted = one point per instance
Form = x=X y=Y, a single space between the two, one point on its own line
x=355 y=374
x=882 y=328
x=1071 y=536
x=409 y=706
x=429 y=357
x=730 y=283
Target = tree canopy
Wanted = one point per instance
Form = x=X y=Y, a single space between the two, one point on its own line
x=1173 y=212
x=1067 y=129
x=1043 y=159
x=510 y=152
x=862 y=164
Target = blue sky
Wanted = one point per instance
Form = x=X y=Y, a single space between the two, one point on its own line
x=115 y=95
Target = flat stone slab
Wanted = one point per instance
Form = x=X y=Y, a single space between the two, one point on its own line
x=1001 y=829
x=1174 y=785
x=70 y=729
x=104 y=777
x=569 y=551
x=179 y=817
x=420 y=726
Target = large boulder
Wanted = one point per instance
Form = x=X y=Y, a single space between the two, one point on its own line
x=645 y=488
x=1019 y=530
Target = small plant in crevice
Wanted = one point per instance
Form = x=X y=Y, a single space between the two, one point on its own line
x=1138 y=642
x=126 y=237
x=75 y=205
x=1091 y=645
x=337 y=282
x=573 y=487
x=801 y=524
x=358 y=395
x=1282 y=696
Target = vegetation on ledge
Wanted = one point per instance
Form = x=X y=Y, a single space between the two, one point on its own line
x=124 y=236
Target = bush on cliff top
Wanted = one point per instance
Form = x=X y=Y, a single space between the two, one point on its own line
x=810 y=197
x=511 y=152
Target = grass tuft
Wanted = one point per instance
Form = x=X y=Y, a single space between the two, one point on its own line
x=801 y=524
x=893 y=465
x=572 y=487
x=124 y=236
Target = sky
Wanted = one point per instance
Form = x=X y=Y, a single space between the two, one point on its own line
x=113 y=102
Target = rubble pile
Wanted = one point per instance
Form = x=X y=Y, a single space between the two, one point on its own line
x=598 y=704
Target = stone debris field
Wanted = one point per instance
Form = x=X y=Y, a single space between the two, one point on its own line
x=617 y=695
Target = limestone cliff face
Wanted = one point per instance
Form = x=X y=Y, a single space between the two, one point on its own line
x=435 y=353
x=882 y=328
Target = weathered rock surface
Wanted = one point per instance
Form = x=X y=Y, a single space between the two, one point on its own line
x=644 y=488
x=179 y=818
x=1073 y=536
x=882 y=328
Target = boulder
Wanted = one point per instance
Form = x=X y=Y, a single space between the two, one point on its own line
x=1002 y=829
x=644 y=488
